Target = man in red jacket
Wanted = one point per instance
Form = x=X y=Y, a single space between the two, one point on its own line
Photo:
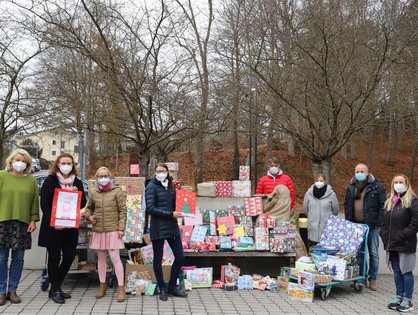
x=274 y=177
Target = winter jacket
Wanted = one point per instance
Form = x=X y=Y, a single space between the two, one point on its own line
x=160 y=204
x=318 y=211
x=109 y=209
x=48 y=235
x=400 y=228
x=267 y=183
x=373 y=202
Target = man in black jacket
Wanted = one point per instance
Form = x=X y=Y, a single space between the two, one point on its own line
x=364 y=203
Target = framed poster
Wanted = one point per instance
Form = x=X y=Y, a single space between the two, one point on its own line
x=66 y=208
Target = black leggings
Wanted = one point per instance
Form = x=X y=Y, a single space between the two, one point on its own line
x=177 y=248
x=57 y=267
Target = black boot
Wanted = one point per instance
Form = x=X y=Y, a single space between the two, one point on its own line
x=56 y=297
x=174 y=291
x=64 y=295
x=163 y=294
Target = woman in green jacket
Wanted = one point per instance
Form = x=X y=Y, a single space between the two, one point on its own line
x=19 y=210
x=106 y=211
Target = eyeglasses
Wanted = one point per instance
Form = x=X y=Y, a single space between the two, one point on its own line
x=159 y=172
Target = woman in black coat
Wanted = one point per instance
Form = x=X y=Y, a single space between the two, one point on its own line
x=57 y=240
x=399 y=236
x=160 y=199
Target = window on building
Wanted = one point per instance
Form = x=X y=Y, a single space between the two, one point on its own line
x=54 y=153
x=62 y=144
x=54 y=142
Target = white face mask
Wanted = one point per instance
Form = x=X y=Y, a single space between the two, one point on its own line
x=103 y=181
x=319 y=184
x=66 y=169
x=19 y=166
x=274 y=170
x=399 y=188
x=161 y=176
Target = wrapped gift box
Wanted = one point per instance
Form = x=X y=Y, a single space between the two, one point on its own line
x=172 y=166
x=212 y=240
x=226 y=225
x=245 y=242
x=342 y=234
x=199 y=233
x=241 y=188
x=177 y=185
x=297 y=293
x=306 y=280
x=253 y=206
x=244 y=173
x=225 y=243
x=147 y=254
x=236 y=211
x=200 y=277
x=135 y=219
x=224 y=189
x=261 y=239
x=193 y=220
x=245 y=282
x=282 y=283
x=305 y=266
x=186 y=232
x=338 y=266
x=206 y=189
x=266 y=221
x=217 y=213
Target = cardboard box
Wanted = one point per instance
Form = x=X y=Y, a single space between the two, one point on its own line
x=150 y=269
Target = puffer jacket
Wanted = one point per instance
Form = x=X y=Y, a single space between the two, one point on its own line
x=319 y=210
x=400 y=228
x=109 y=209
x=160 y=203
x=373 y=202
x=267 y=183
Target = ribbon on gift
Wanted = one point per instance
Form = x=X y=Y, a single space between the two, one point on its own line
x=267 y=221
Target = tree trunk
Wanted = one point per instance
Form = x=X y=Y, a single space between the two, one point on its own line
x=369 y=146
x=1 y=155
x=144 y=158
x=344 y=152
x=389 y=155
x=316 y=168
x=327 y=170
x=269 y=144
x=413 y=160
x=291 y=146
x=199 y=159
x=353 y=153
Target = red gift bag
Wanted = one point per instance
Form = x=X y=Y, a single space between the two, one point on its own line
x=185 y=201
x=66 y=208
x=229 y=272
x=186 y=232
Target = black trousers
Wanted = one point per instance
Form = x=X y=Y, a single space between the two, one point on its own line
x=60 y=257
x=177 y=248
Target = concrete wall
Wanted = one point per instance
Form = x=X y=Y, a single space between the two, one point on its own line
x=35 y=258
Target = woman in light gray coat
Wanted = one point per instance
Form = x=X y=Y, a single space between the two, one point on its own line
x=319 y=204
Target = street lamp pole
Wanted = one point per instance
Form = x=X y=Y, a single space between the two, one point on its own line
x=253 y=134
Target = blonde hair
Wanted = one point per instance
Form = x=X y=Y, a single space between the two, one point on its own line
x=406 y=198
x=101 y=169
x=25 y=154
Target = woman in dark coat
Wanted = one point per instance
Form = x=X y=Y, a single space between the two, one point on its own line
x=399 y=236
x=57 y=240
x=160 y=200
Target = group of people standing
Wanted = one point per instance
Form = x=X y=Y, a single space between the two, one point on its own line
x=394 y=217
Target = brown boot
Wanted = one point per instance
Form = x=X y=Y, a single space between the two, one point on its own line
x=2 y=299
x=13 y=297
x=102 y=290
x=373 y=285
x=121 y=293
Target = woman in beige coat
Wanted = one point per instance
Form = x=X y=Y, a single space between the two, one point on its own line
x=106 y=211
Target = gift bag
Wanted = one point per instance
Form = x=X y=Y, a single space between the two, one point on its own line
x=200 y=277
x=229 y=272
x=186 y=233
x=185 y=201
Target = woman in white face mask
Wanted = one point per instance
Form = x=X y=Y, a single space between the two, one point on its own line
x=160 y=200
x=19 y=210
x=319 y=204
x=59 y=242
x=106 y=210
x=399 y=236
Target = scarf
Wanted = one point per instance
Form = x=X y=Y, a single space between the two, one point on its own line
x=66 y=183
x=319 y=192
x=165 y=183
x=105 y=187
x=360 y=186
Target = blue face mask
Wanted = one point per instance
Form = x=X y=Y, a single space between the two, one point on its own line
x=360 y=177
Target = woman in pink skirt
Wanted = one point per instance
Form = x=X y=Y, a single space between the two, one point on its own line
x=106 y=211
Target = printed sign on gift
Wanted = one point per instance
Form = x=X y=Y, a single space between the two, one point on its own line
x=185 y=201
x=66 y=208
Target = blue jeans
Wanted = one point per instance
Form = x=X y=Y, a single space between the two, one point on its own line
x=404 y=282
x=373 y=249
x=14 y=272
x=177 y=248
